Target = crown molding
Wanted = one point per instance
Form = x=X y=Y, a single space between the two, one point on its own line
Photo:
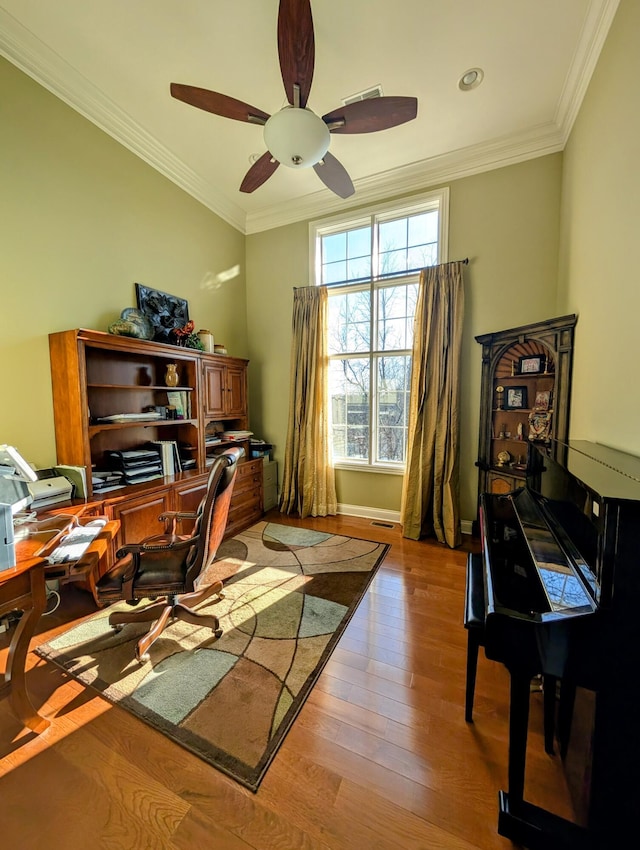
x=38 y=61
x=25 y=51
x=594 y=33
x=415 y=177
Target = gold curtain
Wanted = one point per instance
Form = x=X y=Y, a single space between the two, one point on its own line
x=431 y=486
x=308 y=485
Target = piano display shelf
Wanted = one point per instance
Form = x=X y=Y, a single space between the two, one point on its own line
x=536 y=361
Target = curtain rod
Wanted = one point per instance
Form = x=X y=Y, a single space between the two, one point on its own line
x=464 y=262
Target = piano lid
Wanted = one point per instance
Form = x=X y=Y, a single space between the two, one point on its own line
x=609 y=473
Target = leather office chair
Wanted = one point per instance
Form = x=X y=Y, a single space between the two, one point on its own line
x=169 y=565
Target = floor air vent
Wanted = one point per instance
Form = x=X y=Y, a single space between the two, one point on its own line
x=382 y=524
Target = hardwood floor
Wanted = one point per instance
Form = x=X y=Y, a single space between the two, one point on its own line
x=380 y=756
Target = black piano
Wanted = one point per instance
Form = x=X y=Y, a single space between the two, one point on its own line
x=562 y=593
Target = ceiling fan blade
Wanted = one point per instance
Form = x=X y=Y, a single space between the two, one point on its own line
x=368 y=116
x=296 y=49
x=219 y=104
x=334 y=176
x=259 y=173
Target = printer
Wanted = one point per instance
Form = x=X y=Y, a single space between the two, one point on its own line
x=46 y=486
x=14 y=497
x=49 y=489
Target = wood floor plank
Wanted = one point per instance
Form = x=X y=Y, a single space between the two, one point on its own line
x=379 y=757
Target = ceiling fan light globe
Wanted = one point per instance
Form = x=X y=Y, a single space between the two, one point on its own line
x=296 y=137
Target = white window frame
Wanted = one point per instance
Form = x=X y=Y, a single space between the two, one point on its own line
x=371 y=215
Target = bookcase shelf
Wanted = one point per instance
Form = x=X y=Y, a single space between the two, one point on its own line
x=95 y=375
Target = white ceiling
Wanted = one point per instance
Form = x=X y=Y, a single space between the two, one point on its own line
x=113 y=62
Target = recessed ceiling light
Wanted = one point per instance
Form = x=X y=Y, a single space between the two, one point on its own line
x=471 y=79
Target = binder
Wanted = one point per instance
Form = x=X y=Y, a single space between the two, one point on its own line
x=169 y=456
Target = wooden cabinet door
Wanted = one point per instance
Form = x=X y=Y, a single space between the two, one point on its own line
x=187 y=497
x=236 y=391
x=214 y=389
x=139 y=515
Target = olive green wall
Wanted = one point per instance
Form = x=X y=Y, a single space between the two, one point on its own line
x=600 y=221
x=506 y=221
x=83 y=219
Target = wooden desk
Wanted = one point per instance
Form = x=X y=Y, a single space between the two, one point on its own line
x=22 y=588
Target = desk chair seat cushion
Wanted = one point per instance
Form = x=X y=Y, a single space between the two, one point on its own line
x=159 y=573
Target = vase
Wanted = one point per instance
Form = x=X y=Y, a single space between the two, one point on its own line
x=206 y=338
x=171 y=375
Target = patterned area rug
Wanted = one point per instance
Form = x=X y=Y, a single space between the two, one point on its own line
x=288 y=595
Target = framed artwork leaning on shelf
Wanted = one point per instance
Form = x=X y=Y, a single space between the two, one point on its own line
x=531 y=364
x=542 y=400
x=165 y=312
x=515 y=398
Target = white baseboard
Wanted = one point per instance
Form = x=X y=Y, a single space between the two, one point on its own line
x=369 y=513
x=466 y=525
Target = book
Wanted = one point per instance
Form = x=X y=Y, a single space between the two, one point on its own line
x=77 y=475
x=236 y=435
x=181 y=400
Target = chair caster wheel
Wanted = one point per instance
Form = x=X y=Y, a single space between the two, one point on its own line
x=217 y=632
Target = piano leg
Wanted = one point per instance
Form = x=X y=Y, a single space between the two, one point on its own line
x=549 y=687
x=518 y=728
x=518 y=820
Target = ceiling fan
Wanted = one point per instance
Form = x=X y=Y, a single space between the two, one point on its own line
x=295 y=136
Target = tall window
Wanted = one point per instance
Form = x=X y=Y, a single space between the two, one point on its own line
x=371 y=262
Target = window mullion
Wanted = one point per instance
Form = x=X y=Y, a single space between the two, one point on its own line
x=373 y=380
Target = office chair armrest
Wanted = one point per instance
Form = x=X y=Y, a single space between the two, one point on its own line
x=178 y=515
x=172 y=518
x=129 y=549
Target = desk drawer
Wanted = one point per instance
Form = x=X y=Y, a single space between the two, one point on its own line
x=244 y=516
x=249 y=476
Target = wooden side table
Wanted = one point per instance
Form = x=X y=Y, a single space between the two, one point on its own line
x=22 y=588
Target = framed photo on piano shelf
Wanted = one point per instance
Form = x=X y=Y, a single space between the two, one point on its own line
x=515 y=398
x=542 y=401
x=531 y=364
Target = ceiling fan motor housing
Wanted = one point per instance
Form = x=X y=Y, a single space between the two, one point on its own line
x=296 y=137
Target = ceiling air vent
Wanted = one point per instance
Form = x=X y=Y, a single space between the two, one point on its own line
x=367 y=94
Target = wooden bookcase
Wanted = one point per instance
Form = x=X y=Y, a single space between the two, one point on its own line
x=97 y=375
x=525 y=393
